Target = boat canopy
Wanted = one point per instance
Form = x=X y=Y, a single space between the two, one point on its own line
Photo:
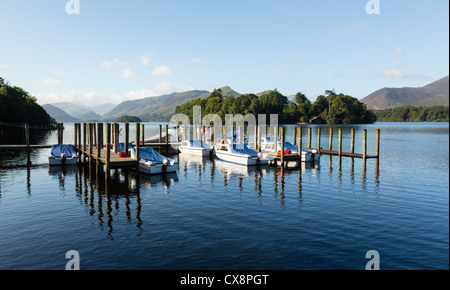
x=147 y=154
x=243 y=149
x=68 y=150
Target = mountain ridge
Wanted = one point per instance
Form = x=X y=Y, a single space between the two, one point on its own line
x=431 y=95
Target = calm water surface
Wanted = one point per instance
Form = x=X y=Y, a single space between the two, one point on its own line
x=213 y=215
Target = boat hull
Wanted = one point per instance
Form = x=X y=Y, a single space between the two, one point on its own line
x=157 y=168
x=58 y=161
x=195 y=151
x=238 y=159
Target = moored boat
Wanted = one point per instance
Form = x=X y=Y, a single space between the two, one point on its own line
x=63 y=154
x=308 y=155
x=195 y=147
x=227 y=150
x=151 y=162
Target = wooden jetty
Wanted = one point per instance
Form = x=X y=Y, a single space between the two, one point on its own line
x=98 y=142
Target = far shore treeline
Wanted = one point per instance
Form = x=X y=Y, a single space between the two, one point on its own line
x=330 y=108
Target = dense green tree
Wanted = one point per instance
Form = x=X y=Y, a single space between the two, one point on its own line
x=18 y=106
x=413 y=114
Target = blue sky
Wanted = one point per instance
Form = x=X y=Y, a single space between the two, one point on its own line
x=114 y=51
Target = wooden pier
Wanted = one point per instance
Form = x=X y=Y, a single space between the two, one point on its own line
x=98 y=142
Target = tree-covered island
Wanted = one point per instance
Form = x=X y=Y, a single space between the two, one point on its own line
x=330 y=108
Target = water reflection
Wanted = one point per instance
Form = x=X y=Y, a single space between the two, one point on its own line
x=103 y=193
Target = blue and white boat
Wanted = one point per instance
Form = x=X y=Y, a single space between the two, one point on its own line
x=151 y=162
x=195 y=147
x=227 y=150
x=308 y=155
x=63 y=154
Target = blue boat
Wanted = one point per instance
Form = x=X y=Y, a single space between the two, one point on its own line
x=63 y=154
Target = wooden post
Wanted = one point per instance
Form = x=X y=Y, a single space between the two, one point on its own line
x=95 y=134
x=340 y=141
x=127 y=137
x=309 y=137
x=99 y=140
x=275 y=139
x=294 y=136
x=143 y=134
x=300 y=140
x=167 y=135
x=330 y=147
x=224 y=133
x=84 y=142
x=258 y=139
x=364 y=143
x=75 y=135
x=160 y=134
x=60 y=133
x=352 y=141
x=27 y=142
x=90 y=125
x=79 y=137
x=377 y=143
x=282 y=146
x=138 y=150
x=116 y=137
x=318 y=138
x=108 y=150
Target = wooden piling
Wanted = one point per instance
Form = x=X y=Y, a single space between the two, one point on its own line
x=300 y=140
x=84 y=142
x=330 y=146
x=294 y=136
x=91 y=132
x=364 y=143
x=27 y=142
x=143 y=134
x=138 y=148
x=318 y=138
x=377 y=143
x=116 y=137
x=340 y=141
x=79 y=136
x=282 y=146
x=275 y=139
x=167 y=135
x=108 y=150
x=309 y=137
x=99 y=139
x=127 y=137
x=352 y=141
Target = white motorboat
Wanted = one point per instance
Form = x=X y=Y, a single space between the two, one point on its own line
x=63 y=154
x=227 y=150
x=151 y=162
x=308 y=155
x=195 y=147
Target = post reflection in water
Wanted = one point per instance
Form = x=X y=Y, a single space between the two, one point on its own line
x=103 y=196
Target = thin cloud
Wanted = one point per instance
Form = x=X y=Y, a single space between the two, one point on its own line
x=145 y=59
x=128 y=73
x=162 y=71
x=112 y=63
x=47 y=82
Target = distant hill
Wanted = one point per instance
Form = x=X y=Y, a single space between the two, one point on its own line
x=58 y=114
x=434 y=94
x=159 y=108
x=84 y=112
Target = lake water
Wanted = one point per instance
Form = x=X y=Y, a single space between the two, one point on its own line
x=216 y=216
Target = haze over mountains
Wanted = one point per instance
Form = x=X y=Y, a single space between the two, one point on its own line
x=161 y=108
